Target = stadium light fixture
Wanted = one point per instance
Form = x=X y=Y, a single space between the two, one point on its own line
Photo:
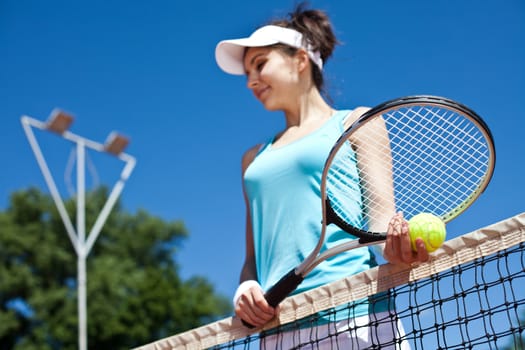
x=59 y=121
x=116 y=143
x=82 y=241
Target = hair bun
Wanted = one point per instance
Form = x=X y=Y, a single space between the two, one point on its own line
x=315 y=25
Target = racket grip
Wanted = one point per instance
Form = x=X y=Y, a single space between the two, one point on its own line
x=280 y=290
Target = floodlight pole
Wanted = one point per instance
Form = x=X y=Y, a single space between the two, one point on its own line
x=59 y=123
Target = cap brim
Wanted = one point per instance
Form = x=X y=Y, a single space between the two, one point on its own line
x=229 y=54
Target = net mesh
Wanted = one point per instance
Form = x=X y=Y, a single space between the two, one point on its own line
x=470 y=295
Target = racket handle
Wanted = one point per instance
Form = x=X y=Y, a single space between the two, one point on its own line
x=280 y=290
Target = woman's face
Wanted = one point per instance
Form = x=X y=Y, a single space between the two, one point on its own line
x=272 y=75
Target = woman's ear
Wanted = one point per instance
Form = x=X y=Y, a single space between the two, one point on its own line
x=303 y=60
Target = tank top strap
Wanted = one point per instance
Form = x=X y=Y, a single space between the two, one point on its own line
x=337 y=120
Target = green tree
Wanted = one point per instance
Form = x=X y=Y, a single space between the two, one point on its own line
x=134 y=291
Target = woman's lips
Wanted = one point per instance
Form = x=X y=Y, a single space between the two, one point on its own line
x=260 y=92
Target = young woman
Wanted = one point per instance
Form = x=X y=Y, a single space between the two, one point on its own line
x=283 y=63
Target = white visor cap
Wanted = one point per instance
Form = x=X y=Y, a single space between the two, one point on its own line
x=229 y=54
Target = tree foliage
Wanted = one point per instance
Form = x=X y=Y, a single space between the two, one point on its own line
x=134 y=292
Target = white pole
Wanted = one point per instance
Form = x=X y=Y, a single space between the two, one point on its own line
x=82 y=302
x=81 y=231
x=110 y=202
x=78 y=237
x=26 y=123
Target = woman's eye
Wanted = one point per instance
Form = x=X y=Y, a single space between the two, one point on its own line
x=260 y=65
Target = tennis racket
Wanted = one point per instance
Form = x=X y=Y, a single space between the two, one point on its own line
x=413 y=154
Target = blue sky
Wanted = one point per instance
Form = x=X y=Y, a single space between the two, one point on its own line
x=147 y=69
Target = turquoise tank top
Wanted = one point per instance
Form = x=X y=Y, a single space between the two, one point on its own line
x=283 y=190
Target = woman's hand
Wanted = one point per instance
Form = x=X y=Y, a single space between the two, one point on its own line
x=398 y=248
x=251 y=306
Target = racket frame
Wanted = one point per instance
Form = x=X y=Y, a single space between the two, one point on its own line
x=366 y=238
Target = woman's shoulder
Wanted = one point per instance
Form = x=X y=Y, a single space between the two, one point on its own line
x=353 y=115
x=249 y=155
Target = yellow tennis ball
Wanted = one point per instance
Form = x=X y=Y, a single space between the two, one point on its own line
x=430 y=228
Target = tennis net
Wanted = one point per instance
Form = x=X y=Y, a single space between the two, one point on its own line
x=470 y=295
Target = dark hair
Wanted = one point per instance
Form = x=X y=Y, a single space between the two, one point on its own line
x=317 y=30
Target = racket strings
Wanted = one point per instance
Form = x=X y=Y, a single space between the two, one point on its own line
x=442 y=147
x=451 y=157
x=438 y=159
x=343 y=186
